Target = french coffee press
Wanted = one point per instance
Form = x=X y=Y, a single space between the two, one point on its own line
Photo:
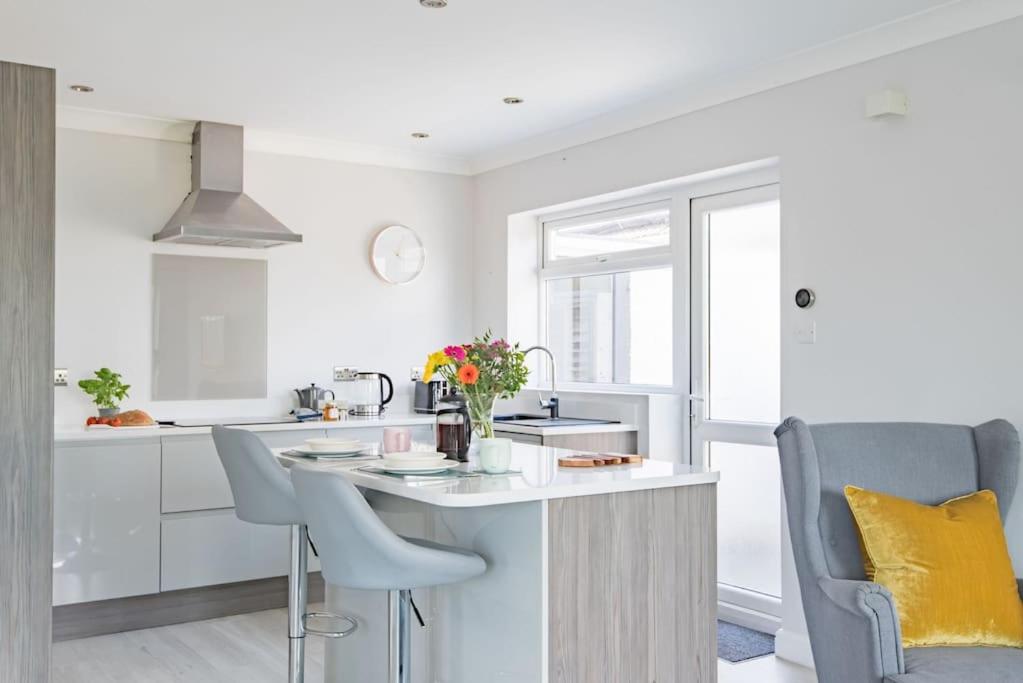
x=454 y=429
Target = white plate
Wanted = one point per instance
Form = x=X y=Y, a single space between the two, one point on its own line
x=414 y=464
x=414 y=455
x=418 y=469
x=333 y=445
x=336 y=452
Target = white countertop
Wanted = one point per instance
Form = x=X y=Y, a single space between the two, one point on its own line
x=538 y=478
x=81 y=433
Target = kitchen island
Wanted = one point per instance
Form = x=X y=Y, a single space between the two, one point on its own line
x=593 y=575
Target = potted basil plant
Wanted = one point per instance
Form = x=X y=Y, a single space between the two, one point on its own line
x=107 y=391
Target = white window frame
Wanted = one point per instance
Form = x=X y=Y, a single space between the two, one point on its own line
x=680 y=193
x=638 y=259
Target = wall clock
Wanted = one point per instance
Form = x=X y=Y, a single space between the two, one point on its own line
x=398 y=254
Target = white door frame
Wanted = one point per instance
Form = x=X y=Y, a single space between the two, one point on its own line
x=749 y=608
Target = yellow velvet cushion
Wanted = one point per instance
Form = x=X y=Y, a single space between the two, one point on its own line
x=947 y=566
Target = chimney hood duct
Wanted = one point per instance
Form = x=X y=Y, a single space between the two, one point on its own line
x=216 y=211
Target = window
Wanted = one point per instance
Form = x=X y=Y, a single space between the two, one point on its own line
x=606 y=283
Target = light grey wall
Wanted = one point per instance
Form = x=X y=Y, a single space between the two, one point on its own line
x=27 y=124
x=910 y=231
x=325 y=305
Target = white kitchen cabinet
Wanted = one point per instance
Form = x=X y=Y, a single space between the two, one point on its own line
x=203 y=543
x=106 y=520
x=213 y=547
x=149 y=514
x=520 y=438
x=289 y=438
x=194 y=479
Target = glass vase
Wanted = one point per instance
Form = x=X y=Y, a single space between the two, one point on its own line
x=481 y=414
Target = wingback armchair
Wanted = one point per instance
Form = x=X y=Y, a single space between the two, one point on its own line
x=853 y=623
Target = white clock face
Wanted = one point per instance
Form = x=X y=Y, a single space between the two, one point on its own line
x=398 y=254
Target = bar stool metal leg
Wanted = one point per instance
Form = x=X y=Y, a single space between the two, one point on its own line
x=298 y=578
x=400 y=636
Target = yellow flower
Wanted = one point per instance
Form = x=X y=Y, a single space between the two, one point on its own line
x=434 y=361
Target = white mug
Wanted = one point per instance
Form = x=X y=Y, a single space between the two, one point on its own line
x=495 y=455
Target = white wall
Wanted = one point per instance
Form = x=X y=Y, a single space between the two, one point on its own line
x=326 y=307
x=910 y=231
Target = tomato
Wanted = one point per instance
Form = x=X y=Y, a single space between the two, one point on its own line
x=102 y=420
x=115 y=422
x=91 y=421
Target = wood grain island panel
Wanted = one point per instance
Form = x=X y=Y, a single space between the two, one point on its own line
x=633 y=586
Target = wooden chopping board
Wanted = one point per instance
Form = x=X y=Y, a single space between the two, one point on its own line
x=600 y=460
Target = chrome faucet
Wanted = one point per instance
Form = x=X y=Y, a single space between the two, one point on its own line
x=552 y=404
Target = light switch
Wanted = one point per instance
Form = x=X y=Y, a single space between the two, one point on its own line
x=806 y=332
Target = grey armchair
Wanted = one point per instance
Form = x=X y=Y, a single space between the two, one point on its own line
x=854 y=624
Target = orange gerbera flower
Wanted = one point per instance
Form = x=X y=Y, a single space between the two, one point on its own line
x=468 y=374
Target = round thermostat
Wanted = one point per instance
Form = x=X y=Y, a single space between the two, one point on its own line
x=805 y=298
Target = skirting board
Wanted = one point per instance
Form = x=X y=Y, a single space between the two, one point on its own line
x=794 y=647
x=87 y=619
x=758 y=621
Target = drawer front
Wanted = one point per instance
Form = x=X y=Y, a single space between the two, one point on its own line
x=194 y=479
x=106 y=521
x=209 y=548
x=287 y=439
x=520 y=438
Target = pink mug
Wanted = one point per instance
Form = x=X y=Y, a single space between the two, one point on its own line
x=397 y=439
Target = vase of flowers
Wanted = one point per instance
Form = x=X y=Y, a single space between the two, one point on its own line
x=483 y=371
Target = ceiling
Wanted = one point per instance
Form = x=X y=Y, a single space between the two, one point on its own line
x=373 y=72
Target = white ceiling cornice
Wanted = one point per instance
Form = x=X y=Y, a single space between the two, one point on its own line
x=958 y=16
x=261 y=141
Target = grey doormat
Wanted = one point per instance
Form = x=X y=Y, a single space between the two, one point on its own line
x=738 y=643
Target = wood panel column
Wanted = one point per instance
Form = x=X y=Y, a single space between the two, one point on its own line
x=27 y=160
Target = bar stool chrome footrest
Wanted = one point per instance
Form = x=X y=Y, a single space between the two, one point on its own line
x=352 y=621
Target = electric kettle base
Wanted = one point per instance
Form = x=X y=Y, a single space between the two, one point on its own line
x=368 y=410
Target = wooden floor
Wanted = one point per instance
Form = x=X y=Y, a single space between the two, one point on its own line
x=249 y=648
x=252 y=648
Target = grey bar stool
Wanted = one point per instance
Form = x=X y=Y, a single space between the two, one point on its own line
x=263 y=494
x=357 y=550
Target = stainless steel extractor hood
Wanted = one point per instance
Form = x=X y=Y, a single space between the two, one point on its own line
x=216 y=211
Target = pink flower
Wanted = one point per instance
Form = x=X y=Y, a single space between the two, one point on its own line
x=499 y=344
x=456 y=352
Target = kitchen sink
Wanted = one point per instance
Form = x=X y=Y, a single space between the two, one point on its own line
x=524 y=420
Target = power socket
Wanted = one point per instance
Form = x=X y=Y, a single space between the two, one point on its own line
x=60 y=377
x=416 y=374
x=344 y=373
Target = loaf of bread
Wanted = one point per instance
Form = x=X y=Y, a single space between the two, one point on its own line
x=136 y=418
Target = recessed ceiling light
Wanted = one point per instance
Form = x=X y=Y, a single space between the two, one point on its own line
x=513 y=100
x=420 y=136
x=434 y=4
x=82 y=88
